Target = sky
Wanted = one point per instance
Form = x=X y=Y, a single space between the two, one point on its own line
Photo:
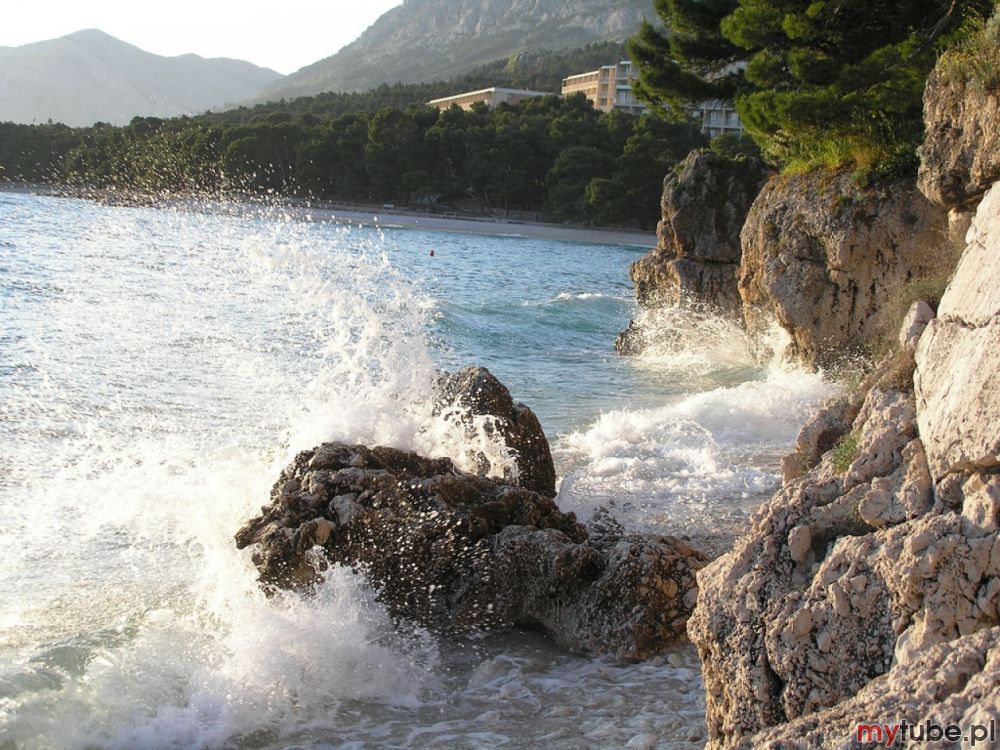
x=284 y=35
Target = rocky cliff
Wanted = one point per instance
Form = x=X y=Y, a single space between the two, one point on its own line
x=822 y=256
x=697 y=257
x=960 y=157
x=868 y=589
x=958 y=359
x=817 y=253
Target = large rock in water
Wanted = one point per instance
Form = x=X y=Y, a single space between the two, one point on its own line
x=475 y=392
x=457 y=551
x=696 y=260
x=879 y=565
x=821 y=256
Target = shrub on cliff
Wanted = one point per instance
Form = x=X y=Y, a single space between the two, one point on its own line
x=816 y=82
x=977 y=57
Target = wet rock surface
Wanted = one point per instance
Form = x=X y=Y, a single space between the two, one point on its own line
x=476 y=392
x=696 y=260
x=455 y=551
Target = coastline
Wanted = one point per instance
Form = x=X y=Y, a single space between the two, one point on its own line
x=494 y=227
x=384 y=218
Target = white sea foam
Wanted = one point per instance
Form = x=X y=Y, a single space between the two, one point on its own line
x=375 y=380
x=168 y=367
x=701 y=460
x=687 y=340
x=563 y=296
x=569 y=297
x=136 y=622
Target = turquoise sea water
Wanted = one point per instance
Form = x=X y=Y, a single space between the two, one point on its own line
x=158 y=368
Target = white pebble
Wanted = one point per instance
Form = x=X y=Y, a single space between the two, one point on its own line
x=645 y=741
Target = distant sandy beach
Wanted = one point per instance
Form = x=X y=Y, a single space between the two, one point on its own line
x=495 y=227
x=395 y=219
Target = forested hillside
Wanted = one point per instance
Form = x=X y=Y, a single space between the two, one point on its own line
x=555 y=157
x=551 y=155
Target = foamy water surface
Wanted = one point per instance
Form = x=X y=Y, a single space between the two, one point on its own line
x=159 y=368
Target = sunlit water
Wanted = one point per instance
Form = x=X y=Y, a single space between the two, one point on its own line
x=158 y=368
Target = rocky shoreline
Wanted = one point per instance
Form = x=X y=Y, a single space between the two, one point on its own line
x=867 y=590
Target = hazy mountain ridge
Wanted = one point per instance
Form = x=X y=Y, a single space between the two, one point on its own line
x=424 y=40
x=90 y=76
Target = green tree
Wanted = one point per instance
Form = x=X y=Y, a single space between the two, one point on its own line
x=566 y=183
x=829 y=82
x=448 y=144
x=632 y=195
x=546 y=154
x=684 y=61
x=332 y=161
x=393 y=140
x=262 y=155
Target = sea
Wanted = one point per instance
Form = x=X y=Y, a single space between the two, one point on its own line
x=159 y=367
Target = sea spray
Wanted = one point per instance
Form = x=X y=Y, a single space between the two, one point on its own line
x=159 y=368
x=691 y=340
x=173 y=420
x=367 y=329
x=700 y=461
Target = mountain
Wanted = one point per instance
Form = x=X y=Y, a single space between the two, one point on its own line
x=425 y=40
x=90 y=76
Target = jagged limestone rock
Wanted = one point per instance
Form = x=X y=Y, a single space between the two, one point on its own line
x=475 y=391
x=843 y=576
x=958 y=358
x=817 y=436
x=867 y=563
x=456 y=551
x=960 y=156
x=955 y=683
x=821 y=256
x=868 y=589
